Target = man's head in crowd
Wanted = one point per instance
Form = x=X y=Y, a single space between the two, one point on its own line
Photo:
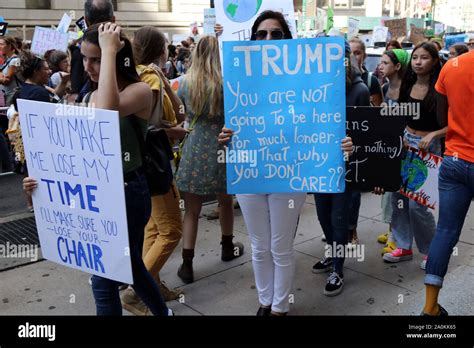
x=98 y=11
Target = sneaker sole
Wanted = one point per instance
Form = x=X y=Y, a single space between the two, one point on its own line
x=333 y=293
x=319 y=271
x=392 y=259
x=133 y=310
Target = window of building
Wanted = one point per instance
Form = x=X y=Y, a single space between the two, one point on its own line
x=165 y=5
x=358 y=3
x=341 y=3
x=38 y=4
x=323 y=3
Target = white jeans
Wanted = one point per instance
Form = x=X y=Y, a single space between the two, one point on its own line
x=271 y=222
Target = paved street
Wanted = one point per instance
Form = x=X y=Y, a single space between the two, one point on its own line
x=372 y=287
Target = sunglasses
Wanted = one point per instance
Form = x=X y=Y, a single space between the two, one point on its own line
x=275 y=34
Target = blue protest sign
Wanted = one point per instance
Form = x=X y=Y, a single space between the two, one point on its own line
x=285 y=101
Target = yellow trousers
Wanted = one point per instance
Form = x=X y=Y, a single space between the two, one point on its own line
x=163 y=232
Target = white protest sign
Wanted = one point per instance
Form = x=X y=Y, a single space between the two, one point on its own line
x=72 y=36
x=367 y=39
x=238 y=16
x=45 y=39
x=75 y=155
x=439 y=28
x=63 y=26
x=420 y=172
x=352 y=27
x=209 y=21
x=380 y=34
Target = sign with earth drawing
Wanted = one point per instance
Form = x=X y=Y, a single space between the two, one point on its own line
x=238 y=16
x=419 y=174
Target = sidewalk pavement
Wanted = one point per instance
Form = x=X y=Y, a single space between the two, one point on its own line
x=372 y=287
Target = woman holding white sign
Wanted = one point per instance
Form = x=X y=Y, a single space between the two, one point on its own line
x=108 y=60
x=272 y=219
x=410 y=218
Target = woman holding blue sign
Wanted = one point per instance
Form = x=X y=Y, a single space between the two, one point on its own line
x=272 y=219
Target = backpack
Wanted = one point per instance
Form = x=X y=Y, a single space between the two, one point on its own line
x=156 y=150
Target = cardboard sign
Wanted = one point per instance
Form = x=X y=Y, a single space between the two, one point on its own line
x=380 y=34
x=3 y=28
x=285 y=101
x=397 y=28
x=74 y=153
x=45 y=39
x=417 y=35
x=209 y=21
x=420 y=172
x=377 y=134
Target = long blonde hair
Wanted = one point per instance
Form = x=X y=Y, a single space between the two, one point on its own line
x=204 y=78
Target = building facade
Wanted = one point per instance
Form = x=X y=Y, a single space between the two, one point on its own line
x=458 y=13
x=172 y=16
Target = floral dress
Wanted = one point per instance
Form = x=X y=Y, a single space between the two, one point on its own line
x=199 y=171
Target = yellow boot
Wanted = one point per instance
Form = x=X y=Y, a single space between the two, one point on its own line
x=383 y=238
x=389 y=247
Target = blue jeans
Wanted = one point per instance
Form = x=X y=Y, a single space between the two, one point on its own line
x=456 y=190
x=354 y=210
x=332 y=215
x=106 y=292
x=409 y=218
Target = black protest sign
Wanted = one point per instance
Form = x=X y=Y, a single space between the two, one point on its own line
x=81 y=23
x=3 y=28
x=377 y=134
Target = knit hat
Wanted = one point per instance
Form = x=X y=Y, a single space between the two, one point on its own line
x=402 y=56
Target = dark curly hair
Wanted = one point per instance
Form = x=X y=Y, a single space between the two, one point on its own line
x=54 y=59
x=29 y=64
x=278 y=16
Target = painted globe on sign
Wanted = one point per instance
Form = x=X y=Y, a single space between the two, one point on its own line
x=241 y=10
x=414 y=173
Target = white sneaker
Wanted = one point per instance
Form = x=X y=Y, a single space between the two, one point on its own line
x=423 y=263
x=170 y=313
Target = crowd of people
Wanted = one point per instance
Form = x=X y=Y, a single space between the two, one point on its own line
x=93 y=72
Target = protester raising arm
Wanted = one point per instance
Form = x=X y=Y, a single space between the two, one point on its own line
x=108 y=95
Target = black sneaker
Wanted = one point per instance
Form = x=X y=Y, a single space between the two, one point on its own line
x=442 y=312
x=323 y=266
x=264 y=311
x=334 y=284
